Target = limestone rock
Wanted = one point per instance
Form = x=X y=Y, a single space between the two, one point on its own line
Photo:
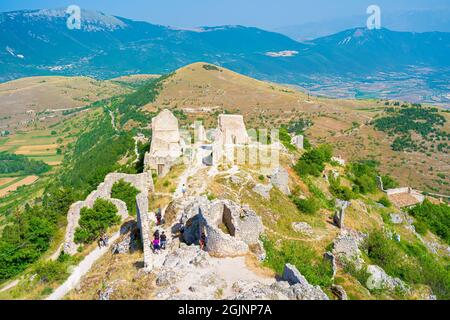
x=292 y=275
x=280 y=179
x=263 y=190
x=329 y=256
x=339 y=216
x=346 y=249
x=339 y=292
x=396 y=218
x=308 y=292
x=252 y=290
x=379 y=279
x=302 y=227
x=301 y=287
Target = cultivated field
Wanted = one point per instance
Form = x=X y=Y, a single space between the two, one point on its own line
x=29 y=100
x=17 y=183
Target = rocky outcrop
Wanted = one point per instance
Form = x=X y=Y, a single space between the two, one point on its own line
x=339 y=292
x=339 y=215
x=128 y=243
x=396 y=218
x=263 y=190
x=229 y=227
x=302 y=227
x=280 y=179
x=192 y=274
x=329 y=256
x=346 y=248
x=301 y=287
x=379 y=279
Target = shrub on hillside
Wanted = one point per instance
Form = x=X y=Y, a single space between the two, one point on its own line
x=308 y=206
x=412 y=263
x=49 y=271
x=340 y=192
x=364 y=176
x=389 y=182
x=313 y=162
x=95 y=221
x=434 y=217
x=285 y=139
x=312 y=266
x=127 y=193
x=385 y=202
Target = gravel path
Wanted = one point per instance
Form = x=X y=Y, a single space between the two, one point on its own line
x=82 y=269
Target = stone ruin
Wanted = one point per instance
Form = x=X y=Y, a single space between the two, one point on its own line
x=143 y=182
x=166 y=146
x=231 y=229
x=230 y=132
x=298 y=141
x=404 y=197
x=339 y=214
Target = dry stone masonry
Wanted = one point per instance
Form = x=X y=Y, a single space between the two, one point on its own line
x=166 y=145
x=231 y=229
x=143 y=182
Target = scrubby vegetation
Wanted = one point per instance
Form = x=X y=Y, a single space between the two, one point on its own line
x=93 y=222
x=311 y=265
x=308 y=206
x=19 y=164
x=339 y=191
x=408 y=261
x=26 y=238
x=385 y=201
x=421 y=121
x=129 y=106
x=127 y=193
x=434 y=217
x=313 y=162
x=364 y=176
x=95 y=154
x=285 y=139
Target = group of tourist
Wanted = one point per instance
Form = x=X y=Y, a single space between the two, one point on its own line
x=159 y=241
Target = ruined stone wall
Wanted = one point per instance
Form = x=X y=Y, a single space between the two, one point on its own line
x=143 y=220
x=143 y=182
x=398 y=191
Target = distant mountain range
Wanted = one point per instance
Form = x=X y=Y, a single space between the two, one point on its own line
x=406 y=21
x=38 y=42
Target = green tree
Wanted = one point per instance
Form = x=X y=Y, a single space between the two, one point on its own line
x=95 y=221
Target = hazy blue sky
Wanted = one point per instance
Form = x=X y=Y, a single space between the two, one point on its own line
x=260 y=13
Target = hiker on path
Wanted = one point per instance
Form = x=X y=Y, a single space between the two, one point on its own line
x=203 y=240
x=158 y=216
x=156 y=234
x=100 y=242
x=163 y=241
x=183 y=190
x=156 y=246
x=105 y=240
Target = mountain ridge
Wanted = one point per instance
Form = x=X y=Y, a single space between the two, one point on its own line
x=125 y=47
